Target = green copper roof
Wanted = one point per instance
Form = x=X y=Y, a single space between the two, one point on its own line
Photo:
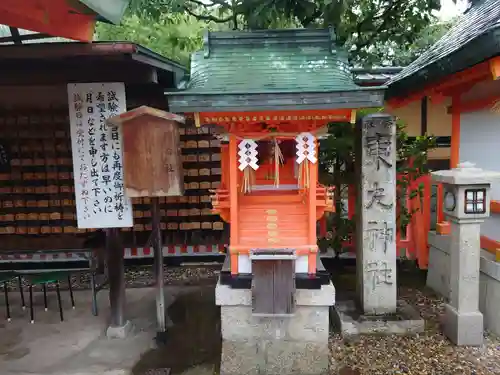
x=270 y=61
x=271 y=69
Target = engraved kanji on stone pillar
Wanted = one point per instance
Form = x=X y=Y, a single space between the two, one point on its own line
x=376 y=215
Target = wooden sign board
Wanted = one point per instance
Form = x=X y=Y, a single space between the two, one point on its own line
x=152 y=154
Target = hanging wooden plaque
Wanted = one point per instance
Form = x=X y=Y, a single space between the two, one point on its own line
x=152 y=156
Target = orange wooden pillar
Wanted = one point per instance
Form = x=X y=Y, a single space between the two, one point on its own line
x=313 y=182
x=439 y=204
x=225 y=166
x=233 y=198
x=442 y=226
x=420 y=221
x=423 y=245
x=455 y=133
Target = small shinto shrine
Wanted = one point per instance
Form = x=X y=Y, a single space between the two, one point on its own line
x=269 y=95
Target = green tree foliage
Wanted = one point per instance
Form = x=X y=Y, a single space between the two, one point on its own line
x=175 y=35
x=391 y=53
x=372 y=30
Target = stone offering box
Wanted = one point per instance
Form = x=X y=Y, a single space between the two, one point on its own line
x=152 y=156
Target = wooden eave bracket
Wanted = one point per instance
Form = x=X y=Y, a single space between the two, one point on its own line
x=495 y=68
x=436 y=98
x=474 y=105
x=449 y=86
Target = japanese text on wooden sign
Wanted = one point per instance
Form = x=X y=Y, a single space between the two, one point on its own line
x=97 y=155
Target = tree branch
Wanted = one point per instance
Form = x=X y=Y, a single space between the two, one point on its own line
x=386 y=16
x=208 y=17
x=207 y=4
x=201 y=3
x=307 y=21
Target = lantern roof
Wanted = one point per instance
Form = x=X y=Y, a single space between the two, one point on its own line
x=271 y=70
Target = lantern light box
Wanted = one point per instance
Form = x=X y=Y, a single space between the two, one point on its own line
x=151 y=152
x=475 y=201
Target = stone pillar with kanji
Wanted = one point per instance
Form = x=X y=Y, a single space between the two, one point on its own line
x=466 y=203
x=376 y=215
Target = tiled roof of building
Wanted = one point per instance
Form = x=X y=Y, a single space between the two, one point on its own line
x=473 y=39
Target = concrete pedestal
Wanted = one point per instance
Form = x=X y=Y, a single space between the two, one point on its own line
x=119 y=332
x=463 y=328
x=275 y=345
x=351 y=322
x=464 y=322
x=438 y=279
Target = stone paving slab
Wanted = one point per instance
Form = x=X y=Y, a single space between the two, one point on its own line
x=347 y=319
x=77 y=346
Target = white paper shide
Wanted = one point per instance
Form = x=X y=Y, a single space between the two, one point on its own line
x=98 y=156
x=248 y=154
x=306 y=148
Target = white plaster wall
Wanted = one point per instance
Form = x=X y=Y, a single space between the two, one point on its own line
x=480 y=144
x=491 y=227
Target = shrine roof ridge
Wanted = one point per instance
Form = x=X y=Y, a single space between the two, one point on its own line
x=321 y=90
x=269 y=37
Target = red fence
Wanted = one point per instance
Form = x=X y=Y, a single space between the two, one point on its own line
x=412 y=244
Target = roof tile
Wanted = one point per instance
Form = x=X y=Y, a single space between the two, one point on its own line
x=267 y=61
x=484 y=16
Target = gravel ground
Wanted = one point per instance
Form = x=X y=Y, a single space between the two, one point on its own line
x=428 y=353
x=140 y=276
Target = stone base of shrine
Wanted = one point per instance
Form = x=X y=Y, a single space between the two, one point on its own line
x=255 y=345
x=352 y=323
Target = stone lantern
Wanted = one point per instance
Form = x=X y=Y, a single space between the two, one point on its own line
x=466 y=203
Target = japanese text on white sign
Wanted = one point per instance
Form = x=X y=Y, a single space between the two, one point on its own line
x=97 y=155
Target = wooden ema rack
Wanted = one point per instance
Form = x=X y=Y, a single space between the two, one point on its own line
x=37 y=188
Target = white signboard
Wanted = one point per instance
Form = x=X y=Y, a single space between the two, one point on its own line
x=97 y=155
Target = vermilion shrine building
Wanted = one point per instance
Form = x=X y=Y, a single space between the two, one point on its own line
x=459 y=78
x=300 y=82
x=269 y=95
x=464 y=89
